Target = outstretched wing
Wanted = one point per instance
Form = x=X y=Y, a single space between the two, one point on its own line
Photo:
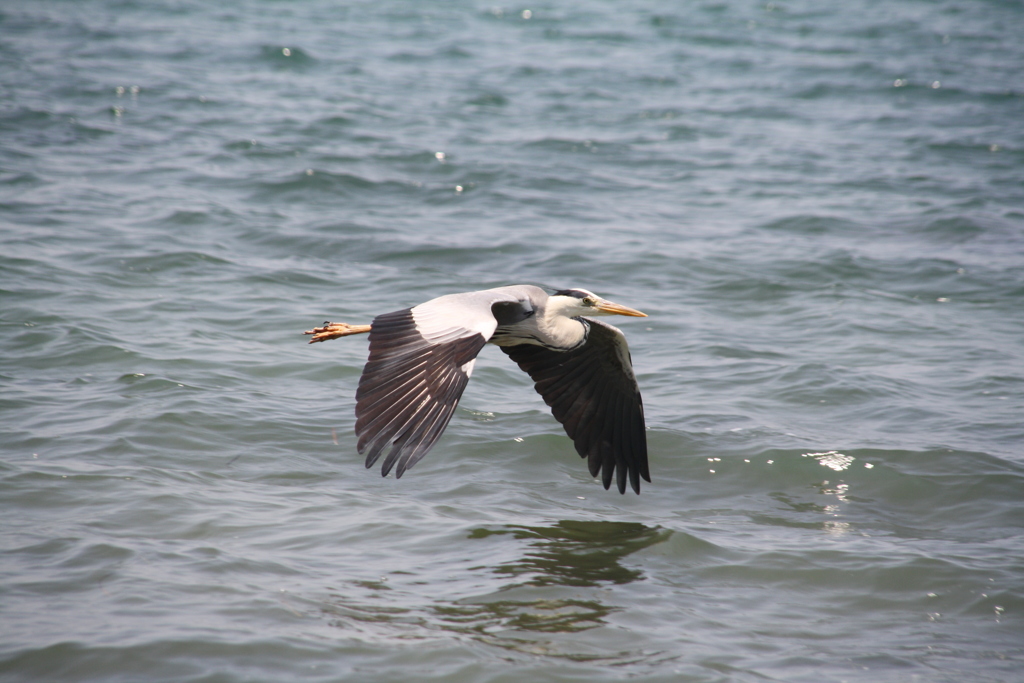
x=420 y=362
x=593 y=392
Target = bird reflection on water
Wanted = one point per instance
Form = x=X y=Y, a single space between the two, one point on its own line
x=578 y=553
x=568 y=553
x=527 y=614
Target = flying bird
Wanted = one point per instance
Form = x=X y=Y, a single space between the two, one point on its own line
x=421 y=359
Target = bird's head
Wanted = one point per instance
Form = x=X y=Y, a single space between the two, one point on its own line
x=575 y=302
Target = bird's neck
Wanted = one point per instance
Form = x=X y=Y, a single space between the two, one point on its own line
x=551 y=329
x=562 y=331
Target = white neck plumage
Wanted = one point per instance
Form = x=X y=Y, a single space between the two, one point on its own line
x=557 y=322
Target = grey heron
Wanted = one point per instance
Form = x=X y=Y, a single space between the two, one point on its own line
x=421 y=359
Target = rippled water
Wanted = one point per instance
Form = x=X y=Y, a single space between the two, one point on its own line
x=819 y=206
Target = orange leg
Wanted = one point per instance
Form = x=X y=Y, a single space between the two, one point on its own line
x=334 y=330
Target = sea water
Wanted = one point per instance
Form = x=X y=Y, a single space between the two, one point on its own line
x=820 y=207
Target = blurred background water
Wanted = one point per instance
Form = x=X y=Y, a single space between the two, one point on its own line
x=821 y=207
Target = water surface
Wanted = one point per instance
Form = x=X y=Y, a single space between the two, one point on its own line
x=819 y=207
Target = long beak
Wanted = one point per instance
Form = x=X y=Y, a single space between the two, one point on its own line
x=618 y=309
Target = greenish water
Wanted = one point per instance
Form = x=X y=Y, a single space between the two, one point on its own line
x=820 y=208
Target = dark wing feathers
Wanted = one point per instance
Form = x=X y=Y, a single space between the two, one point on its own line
x=592 y=391
x=409 y=389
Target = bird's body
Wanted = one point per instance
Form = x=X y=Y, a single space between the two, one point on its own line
x=421 y=359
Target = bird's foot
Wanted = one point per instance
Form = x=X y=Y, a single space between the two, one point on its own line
x=331 y=330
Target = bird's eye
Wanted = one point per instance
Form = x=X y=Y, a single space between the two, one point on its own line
x=587 y=301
